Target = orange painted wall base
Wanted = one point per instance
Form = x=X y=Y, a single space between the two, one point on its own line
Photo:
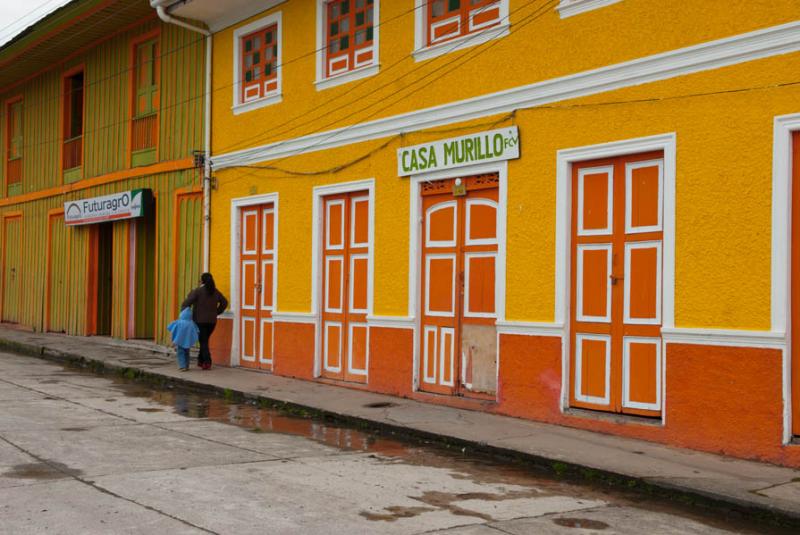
x=294 y=349
x=220 y=342
x=725 y=400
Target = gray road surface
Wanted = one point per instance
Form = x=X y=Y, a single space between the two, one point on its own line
x=86 y=454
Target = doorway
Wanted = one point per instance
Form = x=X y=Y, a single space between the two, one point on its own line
x=616 y=284
x=103 y=278
x=12 y=263
x=795 y=279
x=257 y=272
x=458 y=345
x=58 y=306
x=345 y=286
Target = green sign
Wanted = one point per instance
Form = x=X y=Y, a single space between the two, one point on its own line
x=483 y=147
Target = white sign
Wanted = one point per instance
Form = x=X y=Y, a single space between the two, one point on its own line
x=123 y=205
x=482 y=147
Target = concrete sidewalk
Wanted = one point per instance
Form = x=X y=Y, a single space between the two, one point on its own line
x=691 y=476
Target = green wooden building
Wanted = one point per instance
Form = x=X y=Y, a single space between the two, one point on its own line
x=101 y=114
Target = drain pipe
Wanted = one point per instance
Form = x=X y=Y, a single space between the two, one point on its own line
x=160 y=8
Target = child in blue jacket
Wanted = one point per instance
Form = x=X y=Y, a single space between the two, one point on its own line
x=184 y=335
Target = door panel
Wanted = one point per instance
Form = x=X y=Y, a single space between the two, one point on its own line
x=257 y=286
x=345 y=263
x=458 y=353
x=616 y=270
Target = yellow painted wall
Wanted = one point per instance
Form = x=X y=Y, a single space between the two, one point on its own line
x=724 y=164
x=541 y=46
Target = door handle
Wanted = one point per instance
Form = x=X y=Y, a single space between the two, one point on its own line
x=615 y=279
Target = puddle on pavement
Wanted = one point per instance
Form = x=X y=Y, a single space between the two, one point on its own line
x=580 y=523
x=41 y=471
x=478 y=468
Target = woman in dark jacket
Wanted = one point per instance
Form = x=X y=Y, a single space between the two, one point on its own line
x=207 y=303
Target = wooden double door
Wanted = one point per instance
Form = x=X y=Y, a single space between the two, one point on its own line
x=458 y=286
x=257 y=287
x=345 y=288
x=616 y=271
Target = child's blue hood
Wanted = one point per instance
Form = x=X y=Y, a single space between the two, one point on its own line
x=184 y=331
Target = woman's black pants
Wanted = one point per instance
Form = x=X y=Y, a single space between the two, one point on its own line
x=204 y=357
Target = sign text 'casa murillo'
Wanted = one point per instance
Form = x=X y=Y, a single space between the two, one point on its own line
x=122 y=205
x=481 y=147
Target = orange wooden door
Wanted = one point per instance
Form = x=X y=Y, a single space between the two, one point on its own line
x=458 y=346
x=795 y=278
x=345 y=288
x=617 y=231
x=257 y=276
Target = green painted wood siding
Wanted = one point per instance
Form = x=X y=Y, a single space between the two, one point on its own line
x=31 y=256
x=189 y=239
x=107 y=106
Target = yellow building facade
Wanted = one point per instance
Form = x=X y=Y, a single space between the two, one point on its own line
x=603 y=239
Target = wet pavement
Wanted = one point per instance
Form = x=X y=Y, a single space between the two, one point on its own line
x=87 y=454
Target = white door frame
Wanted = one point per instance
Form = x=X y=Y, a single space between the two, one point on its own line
x=415 y=247
x=781 y=272
x=564 y=160
x=236 y=231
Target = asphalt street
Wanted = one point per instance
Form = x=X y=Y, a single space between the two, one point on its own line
x=86 y=454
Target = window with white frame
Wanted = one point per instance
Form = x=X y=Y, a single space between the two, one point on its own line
x=348 y=40
x=567 y=8
x=445 y=25
x=257 y=63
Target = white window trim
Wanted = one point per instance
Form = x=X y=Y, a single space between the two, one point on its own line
x=323 y=82
x=568 y=8
x=238 y=106
x=424 y=52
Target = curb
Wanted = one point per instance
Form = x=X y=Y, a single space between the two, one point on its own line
x=675 y=492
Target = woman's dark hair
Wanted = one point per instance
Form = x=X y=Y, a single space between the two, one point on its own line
x=208 y=282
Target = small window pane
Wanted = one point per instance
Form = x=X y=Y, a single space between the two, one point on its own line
x=256 y=42
x=248 y=45
x=369 y=33
x=344 y=42
x=346 y=7
x=257 y=57
x=361 y=37
x=334 y=29
x=369 y=15
x=268 y=37
x=360 y=18
x=257 y=74
x=334 y=47
x=359 y=4
x=248 y=61
x=454 y=5
x=248 y=76
x=345 y=26
x=334 y=11
x=437 y=9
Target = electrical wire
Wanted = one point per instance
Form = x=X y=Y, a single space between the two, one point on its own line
x=372 y=90
x=469 y=55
